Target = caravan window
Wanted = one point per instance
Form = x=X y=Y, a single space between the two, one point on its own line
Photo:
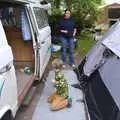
x=41 y=17
x=7 y=16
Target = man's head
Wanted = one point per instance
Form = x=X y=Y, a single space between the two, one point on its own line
x=57 y=64
x=67 y=13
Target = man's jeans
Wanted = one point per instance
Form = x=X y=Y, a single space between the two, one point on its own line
x=67 y=43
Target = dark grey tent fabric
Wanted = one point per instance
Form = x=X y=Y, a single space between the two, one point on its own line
x=110 y=74
x=94 y=59
x=77 y=111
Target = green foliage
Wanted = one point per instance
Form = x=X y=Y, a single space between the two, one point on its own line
x=85 y=11
x=54 y=19
x=56 y=3
x=55 y=16
x=56 y=11
x=84 y=43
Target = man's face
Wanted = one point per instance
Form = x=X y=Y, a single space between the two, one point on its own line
x=67 y=14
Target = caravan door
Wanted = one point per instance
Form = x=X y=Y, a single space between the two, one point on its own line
x=8 y=85
x=43 y=36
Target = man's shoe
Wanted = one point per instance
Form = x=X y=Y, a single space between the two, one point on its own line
x=64 y=66
x=73 y=65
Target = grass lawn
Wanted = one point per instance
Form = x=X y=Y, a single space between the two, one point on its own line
x=84 y=43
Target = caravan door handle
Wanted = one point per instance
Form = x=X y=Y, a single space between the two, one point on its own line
x=5 y=69
x=43 y=42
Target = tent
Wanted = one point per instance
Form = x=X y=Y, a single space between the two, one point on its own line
x=99 y=76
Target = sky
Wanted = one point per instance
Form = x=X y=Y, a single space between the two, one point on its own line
x=112 y=1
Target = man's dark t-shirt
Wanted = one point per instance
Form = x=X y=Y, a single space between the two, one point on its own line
x=67 y=24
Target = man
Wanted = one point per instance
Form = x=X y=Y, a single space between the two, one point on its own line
x=67 y=32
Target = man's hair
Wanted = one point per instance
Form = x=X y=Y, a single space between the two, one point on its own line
x=67 y=10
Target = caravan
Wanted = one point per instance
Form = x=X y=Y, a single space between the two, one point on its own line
x=25 y=39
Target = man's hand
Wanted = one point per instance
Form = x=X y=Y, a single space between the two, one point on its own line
x=74 y=32
x=64 y=31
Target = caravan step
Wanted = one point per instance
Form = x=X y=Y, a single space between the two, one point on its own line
x=29 y=96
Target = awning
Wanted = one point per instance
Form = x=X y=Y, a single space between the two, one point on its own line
x=112 y=40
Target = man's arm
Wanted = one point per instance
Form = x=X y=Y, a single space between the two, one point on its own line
x=74 y=32
x=64 y=31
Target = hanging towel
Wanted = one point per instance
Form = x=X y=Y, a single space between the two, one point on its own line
x=26 y=33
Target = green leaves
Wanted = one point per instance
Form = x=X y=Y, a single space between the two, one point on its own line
x=85 y=11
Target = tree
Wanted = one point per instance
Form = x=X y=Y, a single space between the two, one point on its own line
x=57 y=3
x=86 y=12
